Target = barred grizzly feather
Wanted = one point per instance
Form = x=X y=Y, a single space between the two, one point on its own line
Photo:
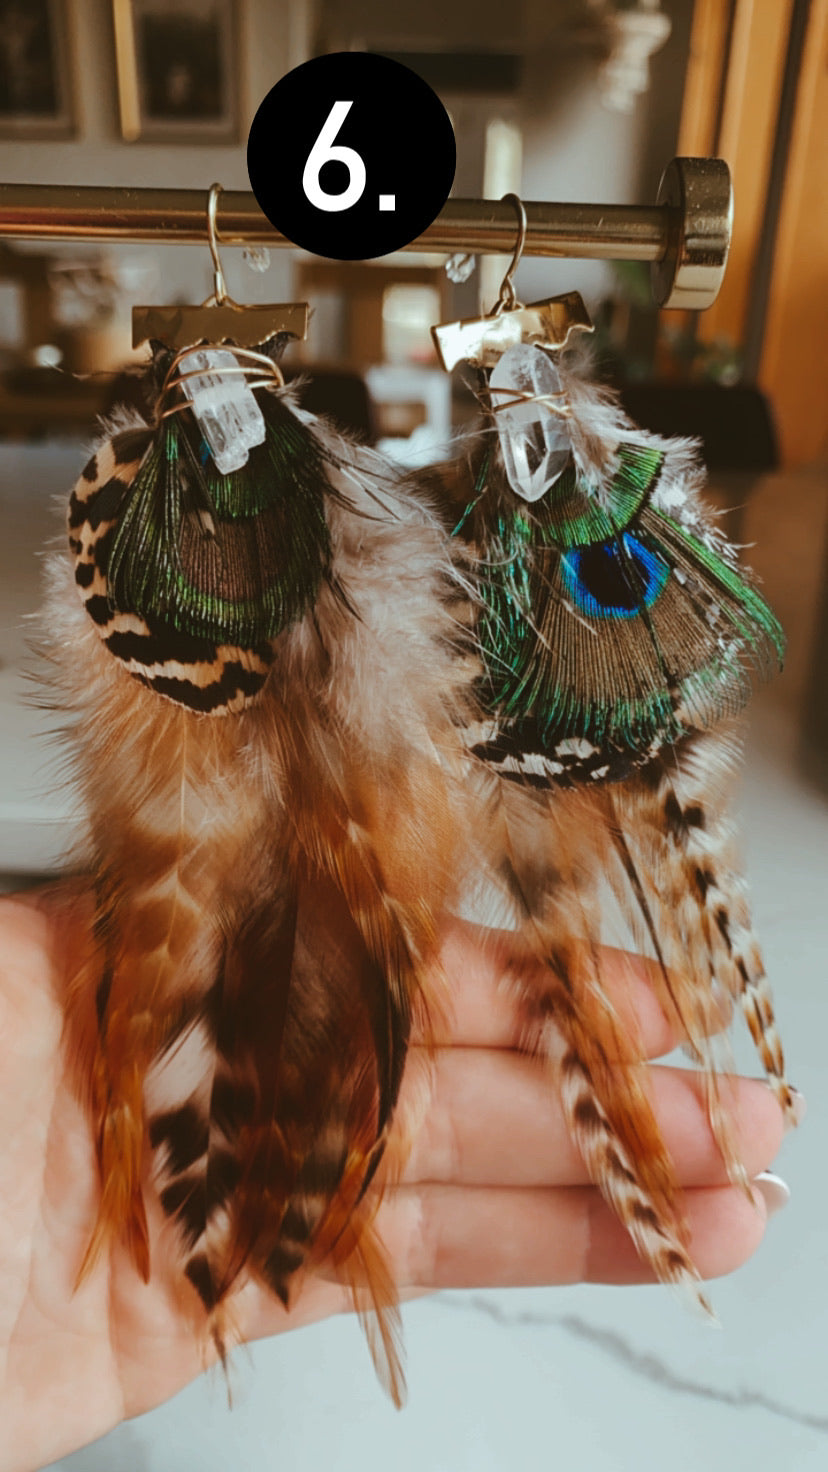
x=549 y=857
x=619 y=637
x=274 y=829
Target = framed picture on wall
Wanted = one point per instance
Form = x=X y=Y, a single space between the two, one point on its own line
x=35 y=82
x=178 y=70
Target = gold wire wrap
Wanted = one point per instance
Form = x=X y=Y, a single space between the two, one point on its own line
x=547 y=401
x=255 y=362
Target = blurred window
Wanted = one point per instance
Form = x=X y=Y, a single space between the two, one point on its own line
x=408 y=313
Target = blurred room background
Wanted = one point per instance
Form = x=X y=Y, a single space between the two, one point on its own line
x=583 y=100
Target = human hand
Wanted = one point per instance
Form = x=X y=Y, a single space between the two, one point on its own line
x=493 y=1192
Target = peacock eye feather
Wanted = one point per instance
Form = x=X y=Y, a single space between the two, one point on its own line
x=573 y=516
x=231 y=558
x=614 y=579
x=604 y=619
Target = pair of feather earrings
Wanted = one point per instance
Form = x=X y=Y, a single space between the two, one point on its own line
x=291 y=766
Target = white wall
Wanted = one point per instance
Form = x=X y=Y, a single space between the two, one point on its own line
x=576 y=149
x=420 y=25
x=274 y=38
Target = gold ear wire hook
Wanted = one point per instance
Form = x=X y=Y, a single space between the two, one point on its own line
x=507 y=300
x=219 y=319
x=219 y=284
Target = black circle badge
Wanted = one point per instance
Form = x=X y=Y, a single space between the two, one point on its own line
x=351 y=155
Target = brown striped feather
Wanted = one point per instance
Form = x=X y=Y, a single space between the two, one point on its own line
x=270 y=888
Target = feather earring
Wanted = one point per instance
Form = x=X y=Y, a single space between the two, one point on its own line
x=619 y=637
x=265 y=713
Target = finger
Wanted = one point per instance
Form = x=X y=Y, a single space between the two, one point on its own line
x=494 y=1118
x=481 y=1012
x=54 y=923
x=461 y=1237
x=30 y=1022
x=320 y=1297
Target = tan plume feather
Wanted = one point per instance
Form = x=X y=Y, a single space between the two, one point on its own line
x=275 y=828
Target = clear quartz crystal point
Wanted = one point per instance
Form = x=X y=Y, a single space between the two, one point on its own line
x=224 y=406
x=534 y=439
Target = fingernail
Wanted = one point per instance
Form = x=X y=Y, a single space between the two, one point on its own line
x=774 y=1191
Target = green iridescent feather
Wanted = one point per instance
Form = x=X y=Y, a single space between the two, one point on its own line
x=758 y=619
x=562 y=660
x=231 y=558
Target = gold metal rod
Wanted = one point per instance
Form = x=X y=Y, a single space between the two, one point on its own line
x=593 y=231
